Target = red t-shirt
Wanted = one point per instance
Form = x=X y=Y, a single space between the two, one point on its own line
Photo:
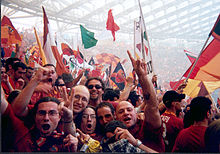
x=38 y=95
x=150 y=137
x=5 y=86
x=190 y=139
x=13 y=130
x=173 y=126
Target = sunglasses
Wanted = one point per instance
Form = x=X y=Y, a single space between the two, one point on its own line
x=96 y=86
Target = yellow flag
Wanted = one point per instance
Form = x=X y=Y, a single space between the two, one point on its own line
x=44 y=61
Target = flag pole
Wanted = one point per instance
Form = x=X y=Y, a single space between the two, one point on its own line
x=142 y=42
x=134 y=37
x=148 y=43
x=197 y=59
x=40 y=48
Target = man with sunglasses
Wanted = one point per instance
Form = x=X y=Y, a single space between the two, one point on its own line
x=96 y=88
x=174 y=125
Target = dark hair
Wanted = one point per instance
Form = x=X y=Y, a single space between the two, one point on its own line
x=133 y=97
x=105 y=104
x=78 y=119
x=57 y=80
x=109 y=95
x=67 y=77
x=13 y=95
x=44 y=99
x=30 y=68
x=212 y=137
x=50 y=65
x=15 y=66
x=112 y=125
x=199 y=107
x=95 y=78
x=10 y=61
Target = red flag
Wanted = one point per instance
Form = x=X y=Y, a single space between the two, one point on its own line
x=119 y=77
x=174 y=85
x=9 y=34
x=203 y=90
x=207 y=66
x=111 y=25
x=191 y=56
x=51 y=52
x=215 y=32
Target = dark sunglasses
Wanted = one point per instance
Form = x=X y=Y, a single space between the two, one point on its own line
x=96 y=86
x=60 y=85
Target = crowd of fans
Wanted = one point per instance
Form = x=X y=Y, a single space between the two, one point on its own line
x=44 y=112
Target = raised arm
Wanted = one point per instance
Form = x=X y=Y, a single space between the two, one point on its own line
x=21 y=102
x=4 y=103
x=67 y=117
x=151 y=112
x=128 y=88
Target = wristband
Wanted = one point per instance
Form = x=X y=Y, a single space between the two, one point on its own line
x=68 y=121
x=138 y=143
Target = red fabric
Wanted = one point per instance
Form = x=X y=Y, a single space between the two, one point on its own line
x=208 y=54
x=173 y=126
x=175 y=84
x=149 y=137
x=12 y=130
x=9 y=34
x=60 y=68
x=190 y=140
x=38 y=95
x=111 y=25
x=5 y=86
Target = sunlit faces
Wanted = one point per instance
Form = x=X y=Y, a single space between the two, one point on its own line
x=88 y=123
x=47 y=117
x=104 y=115
x=126 y=113
x=81 y=98
x=51 y=75
x=95 y=89
x=19 y=73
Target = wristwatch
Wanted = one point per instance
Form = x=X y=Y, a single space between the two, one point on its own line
x=138 y=143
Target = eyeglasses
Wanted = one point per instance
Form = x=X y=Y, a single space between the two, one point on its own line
x=86 y=116
x=96 y=86
x=51 y=113
x=60 y=85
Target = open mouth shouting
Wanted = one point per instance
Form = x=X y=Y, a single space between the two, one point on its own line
x=45 y=126
x=127 y=120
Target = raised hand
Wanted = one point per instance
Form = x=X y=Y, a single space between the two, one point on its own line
x=71 y=143
x=125 y=134
x=139 y=66
x=83 y=138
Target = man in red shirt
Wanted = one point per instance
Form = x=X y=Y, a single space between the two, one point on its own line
x=149 y=130
x=191 y=139
x=47 y=86
x=174 y=125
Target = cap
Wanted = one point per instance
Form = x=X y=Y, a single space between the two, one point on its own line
x=171 y=96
